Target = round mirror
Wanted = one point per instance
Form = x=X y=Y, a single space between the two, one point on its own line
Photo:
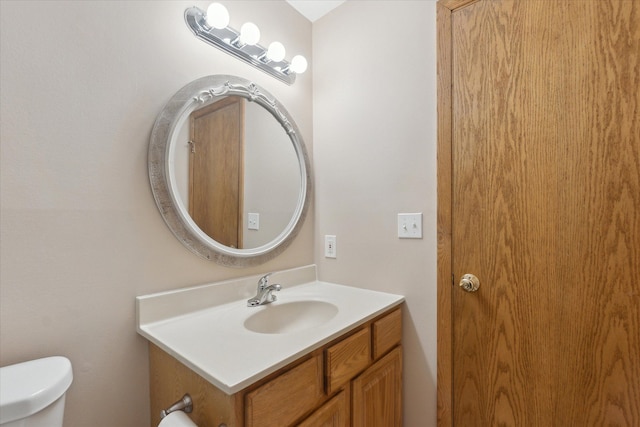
x=229 y=171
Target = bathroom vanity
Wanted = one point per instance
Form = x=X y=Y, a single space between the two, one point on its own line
x=321 y=355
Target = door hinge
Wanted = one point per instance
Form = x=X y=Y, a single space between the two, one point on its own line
x=192 y=144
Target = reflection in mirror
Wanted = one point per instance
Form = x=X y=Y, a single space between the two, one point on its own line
x=229 y=171
x=234 y=161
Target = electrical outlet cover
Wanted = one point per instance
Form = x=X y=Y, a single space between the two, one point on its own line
x=330 y=247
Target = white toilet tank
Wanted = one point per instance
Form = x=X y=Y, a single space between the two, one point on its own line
x=32 y=393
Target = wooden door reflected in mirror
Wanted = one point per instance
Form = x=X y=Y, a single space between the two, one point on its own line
x=216 y=169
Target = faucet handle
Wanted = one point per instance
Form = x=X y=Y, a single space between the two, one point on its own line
x=264 y=281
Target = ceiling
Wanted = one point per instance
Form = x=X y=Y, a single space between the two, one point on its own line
x=314 y=9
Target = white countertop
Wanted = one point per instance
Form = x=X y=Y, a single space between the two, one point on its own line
x=212 y=340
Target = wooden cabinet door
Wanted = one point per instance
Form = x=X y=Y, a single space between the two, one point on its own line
x=347 y=359
x=377 y=393
x=287 y=398
x=334 y=413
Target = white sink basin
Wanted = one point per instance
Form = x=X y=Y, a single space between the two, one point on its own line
x=290 y=317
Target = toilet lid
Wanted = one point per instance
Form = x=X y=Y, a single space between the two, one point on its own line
x=28 y=387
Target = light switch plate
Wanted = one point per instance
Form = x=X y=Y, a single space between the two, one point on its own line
x=410 y=225
x=254 y=221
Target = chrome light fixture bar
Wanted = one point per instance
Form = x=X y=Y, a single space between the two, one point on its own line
x=229 y=40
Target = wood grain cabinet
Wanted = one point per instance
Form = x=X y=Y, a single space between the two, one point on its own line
x=355 y=380
x=334 y=413
x=377 y=393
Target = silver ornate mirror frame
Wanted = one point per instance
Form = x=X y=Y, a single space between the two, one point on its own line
x=163 y=185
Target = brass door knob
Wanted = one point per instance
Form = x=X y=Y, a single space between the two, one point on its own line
x=469 y=283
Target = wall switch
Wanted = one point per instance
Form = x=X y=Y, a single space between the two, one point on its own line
x=330 y=247
x=410 y=225
x=254 y=221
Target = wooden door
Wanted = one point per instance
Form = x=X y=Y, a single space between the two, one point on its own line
x=539 y=193
x=216 y=170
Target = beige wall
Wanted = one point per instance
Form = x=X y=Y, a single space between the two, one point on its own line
x=374 y=97
x=81 y=83
x=272 y=179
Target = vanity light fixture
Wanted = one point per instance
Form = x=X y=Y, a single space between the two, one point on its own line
x=213 y=27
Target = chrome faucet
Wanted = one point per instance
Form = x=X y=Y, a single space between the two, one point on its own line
x=265 y=292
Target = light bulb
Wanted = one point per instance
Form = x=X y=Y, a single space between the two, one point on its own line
x=276 y=51
x=249 y=33
x=217 y=16
x=298 y=64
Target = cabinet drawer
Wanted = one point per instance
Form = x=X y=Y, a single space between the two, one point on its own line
x=347 y=359
x=387 y=333
x=286 y=398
